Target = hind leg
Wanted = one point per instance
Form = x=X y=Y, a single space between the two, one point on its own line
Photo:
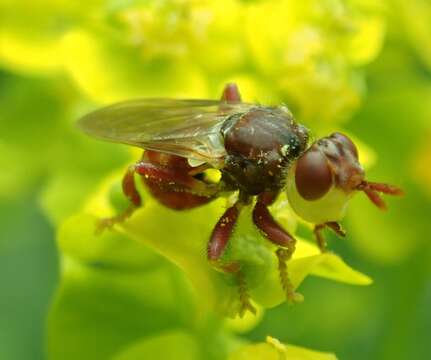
x=171 y=186
x=334 y=226
x=132 y=194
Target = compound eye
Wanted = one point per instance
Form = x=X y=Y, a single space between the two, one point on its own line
x=346 y=142
x=313 y=175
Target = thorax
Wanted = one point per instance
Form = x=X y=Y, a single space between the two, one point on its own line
x=260 y=145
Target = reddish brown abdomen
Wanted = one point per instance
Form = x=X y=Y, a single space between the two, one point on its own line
x=177 y=200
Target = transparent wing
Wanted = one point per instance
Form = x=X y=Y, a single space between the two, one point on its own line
x=188 y=128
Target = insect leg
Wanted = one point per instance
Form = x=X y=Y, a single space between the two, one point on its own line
x=231 y=93
x=276 y=234
x=171 y=179
x=173 y=182
x=174 y=188
x=320 y=239
x=129 y=189
x=334 y=226
x=219 y=239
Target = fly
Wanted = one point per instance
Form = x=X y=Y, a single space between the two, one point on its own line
x=260 y=152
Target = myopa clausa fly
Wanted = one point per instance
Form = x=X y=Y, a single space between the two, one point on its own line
x=259 y=151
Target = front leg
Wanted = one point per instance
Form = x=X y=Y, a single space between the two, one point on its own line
x=216 y=247
x=334 y=226
x=276 y=234
x=174 y=180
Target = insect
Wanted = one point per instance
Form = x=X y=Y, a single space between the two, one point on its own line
x=259 y=150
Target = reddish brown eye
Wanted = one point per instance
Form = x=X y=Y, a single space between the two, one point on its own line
x=313 y=176
x=346 y=142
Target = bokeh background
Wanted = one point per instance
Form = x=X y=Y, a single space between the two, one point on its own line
x=359 y=66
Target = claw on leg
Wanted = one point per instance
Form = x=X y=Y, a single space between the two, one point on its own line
x=107 y=223
x=292 y=297
x=234 y=268
x=320 y=239
x=336 y=228
x=244 y=296
x=129 y=189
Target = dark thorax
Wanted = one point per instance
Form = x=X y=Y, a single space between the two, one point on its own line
x=261 y=144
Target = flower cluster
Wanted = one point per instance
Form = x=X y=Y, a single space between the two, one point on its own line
x=306 y=53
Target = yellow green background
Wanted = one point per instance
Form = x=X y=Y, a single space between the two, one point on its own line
x=145 y=290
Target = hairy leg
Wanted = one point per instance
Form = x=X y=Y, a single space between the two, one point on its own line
x=276 y=234
x=171 y=179
x=129 y=189
x=217 y=244
x=173 y=187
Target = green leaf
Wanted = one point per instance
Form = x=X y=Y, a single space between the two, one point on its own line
x=116 y=294
x=102 y=307
x=306 y=261
x=170 y=346
x=108 y=280
x=77 y=239
x=181 y=237
x=274 y=350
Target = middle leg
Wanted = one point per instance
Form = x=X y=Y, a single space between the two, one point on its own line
x=172 y=186
x=334 y=226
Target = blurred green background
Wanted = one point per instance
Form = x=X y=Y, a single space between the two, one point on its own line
x=359 y=66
